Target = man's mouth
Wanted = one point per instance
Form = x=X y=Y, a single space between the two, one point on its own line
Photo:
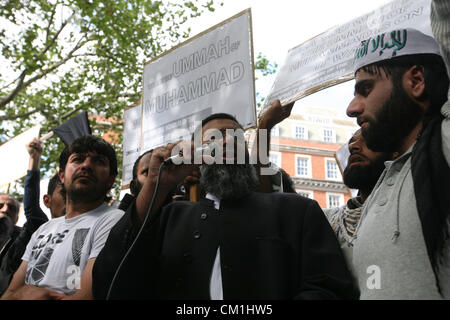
x=361 y=122
x=355 y=159
x=86 y=177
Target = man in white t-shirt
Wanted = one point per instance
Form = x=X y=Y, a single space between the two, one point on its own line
x=58 y=261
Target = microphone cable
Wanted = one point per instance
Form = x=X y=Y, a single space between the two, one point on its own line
x=166 y=161
x=139 y=233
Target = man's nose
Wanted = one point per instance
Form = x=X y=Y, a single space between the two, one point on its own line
x=87 y=163
x=4 y=208
x=354 y=146
x=356 y=107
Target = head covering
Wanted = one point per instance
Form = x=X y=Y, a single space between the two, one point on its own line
x=394 y=44
x=429 y=168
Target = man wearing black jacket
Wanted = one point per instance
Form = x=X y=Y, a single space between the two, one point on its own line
x=233 y=244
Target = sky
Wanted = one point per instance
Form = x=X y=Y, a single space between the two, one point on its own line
x=284 y=24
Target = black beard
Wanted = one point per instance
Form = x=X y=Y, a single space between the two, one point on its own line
x=393 y=122
x=86 y=195
x=230 y=182
x=365 y=176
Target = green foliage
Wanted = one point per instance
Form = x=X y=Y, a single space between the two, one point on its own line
x=60 y=56
x=264 y=67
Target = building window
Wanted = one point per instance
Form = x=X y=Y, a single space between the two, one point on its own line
x=332 y=170
x=275 y=158
x=300 y=132
x=275 y=132
x=306 y=193
x=329 y=135
x=335 y=200
x=303 y=166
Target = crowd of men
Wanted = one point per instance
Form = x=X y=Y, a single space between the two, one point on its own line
x=250 y=236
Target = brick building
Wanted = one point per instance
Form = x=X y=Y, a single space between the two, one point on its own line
x=304 y=145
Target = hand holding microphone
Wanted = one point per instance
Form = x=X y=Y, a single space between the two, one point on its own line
x=169 y=157
x=206 y=149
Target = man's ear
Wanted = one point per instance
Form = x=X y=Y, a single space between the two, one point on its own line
x=111 y=180
x=47 y=200
x=133 y=187
x=61 y=175
x=414 y=83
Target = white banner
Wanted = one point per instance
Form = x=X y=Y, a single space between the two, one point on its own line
x=341 y=157
x=14 y=156
x=131 y=141
x=327 y=59
x=210 y=73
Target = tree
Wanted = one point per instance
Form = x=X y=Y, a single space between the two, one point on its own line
x=60 y=56
x=63 y=56
x=264 y=67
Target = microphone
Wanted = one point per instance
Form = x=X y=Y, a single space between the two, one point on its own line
x=208 y=146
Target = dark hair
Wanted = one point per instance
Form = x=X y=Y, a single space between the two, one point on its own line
x=215 y=116
x=288 y=184
x=134 y=184
x=435 y=74
x=136 y=163
x=54 y=181
x=90 y=143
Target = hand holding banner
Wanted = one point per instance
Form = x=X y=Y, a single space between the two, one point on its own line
x=327 y=59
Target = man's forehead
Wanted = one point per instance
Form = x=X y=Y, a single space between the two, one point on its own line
x=374 y=74
x=144 y=160
x=88 y=154
x=220 y=124
x=356 y=136
x=6 y=198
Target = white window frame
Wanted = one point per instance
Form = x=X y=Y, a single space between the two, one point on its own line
x=340 y=195
x=309 y=192
x=278 y=155
x=333 y=133
x=339 y=176
x=309 y=174
x=294 y=131
x=275 y=131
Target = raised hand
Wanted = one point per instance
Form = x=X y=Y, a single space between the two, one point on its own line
x=34 y=148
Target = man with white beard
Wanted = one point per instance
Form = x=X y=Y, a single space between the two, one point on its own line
x=233 y=244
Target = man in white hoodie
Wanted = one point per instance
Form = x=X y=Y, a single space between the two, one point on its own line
x=401 y=249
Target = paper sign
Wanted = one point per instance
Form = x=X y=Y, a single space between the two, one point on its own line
x=14 y=156
x=327 y=59
x=210 y=73
x=131 y=141
x=341 y=157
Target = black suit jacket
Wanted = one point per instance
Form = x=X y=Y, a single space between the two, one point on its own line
x=272 y=246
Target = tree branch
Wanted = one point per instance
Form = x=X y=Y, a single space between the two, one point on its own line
x=20 y=116
x=13 y=93
x=22 y=85
x=50 y=21
x=52 y=41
